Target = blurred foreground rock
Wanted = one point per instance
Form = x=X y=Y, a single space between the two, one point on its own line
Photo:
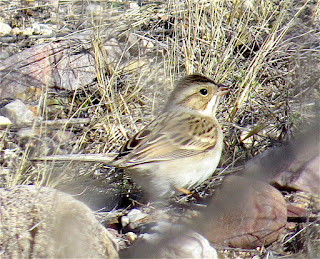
x=246 y=213
x=293 y=166
x=43 y=222
x=306 y=178
x=167 y=240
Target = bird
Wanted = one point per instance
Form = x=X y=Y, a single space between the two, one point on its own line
x=179 y=149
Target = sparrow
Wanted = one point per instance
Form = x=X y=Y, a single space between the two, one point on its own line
x=179 y=149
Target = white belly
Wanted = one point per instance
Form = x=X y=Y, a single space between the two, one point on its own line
x=160 y=178
x=189 y=172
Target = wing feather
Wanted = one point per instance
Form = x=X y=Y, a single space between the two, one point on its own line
x=172 y=135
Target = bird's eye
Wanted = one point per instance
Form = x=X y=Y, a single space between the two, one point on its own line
x=203 y=91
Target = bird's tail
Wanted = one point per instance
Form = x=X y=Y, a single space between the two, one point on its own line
x=98 y=158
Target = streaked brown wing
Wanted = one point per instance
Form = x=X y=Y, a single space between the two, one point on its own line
x=170 y=136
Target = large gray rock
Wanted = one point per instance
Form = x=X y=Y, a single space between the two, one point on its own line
x=43 y=222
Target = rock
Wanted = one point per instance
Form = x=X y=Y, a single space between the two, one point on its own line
x=296 y=210
x=306 y=179
x=43 y=222
x=3 y=55
x=189 y=245
x=309 y=177
x=26 y=133
x=18 y=113
x=4 y=29
x=42 y=29
x=66 y=64
x=15 y=31
x=63 y=136
x=134 y=6
x=284 y=165
x=147 y=44
x=246 y=141
x=271 y=162
x=168 y=240
x=124 y=221
x=46 y=65
x=245 y=213
x=133 y=218
x=4 y=121
x=94 y=9
x=132 y=237
x=28 y=31
x=135 y=215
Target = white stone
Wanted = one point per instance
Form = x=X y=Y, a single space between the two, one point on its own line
x=94 y=9
x=4 y=29
x=28 y=31
x=4 y=121
x=134 y=6
x=147 y=44
x=125 y=221
x=15 y=31
x=42 y=29
x=132 y=237
x=178 y=242
x=36 y=28
x=190 y=245
x=135 y=215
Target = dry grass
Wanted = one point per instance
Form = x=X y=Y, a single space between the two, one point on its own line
x=266 y=51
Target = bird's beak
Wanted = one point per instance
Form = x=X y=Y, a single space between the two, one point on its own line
x=222 y=90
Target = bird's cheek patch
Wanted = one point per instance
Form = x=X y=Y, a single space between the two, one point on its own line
x=195 y=103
